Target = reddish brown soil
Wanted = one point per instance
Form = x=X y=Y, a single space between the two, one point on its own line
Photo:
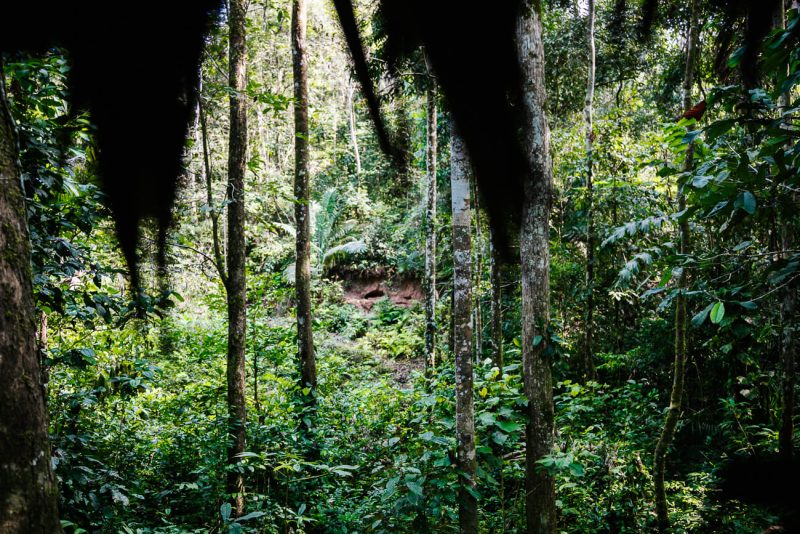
x=364 y=292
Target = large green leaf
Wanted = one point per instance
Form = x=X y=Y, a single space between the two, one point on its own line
x=717 y=312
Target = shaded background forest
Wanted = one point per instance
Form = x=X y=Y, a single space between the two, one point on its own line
x=137 y=401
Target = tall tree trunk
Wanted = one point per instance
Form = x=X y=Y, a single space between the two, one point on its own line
x=429 y=282
x=788 y=349
x=351 y=114
x=788 y=304
x=496 y=311
x=679 y=366
x=477 y=312
x=535 y=257
x=305 y=339
x=462 y=332
x=236 y=286
x=28 y=490
x=588 y=358
x=213 y=214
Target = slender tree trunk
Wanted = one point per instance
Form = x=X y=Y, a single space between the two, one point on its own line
x=679 y=366
x=477 y=312
x=236 y=286
x=305 y=340
x=535 y=256
x=28 y=490
x=788 y=304
x=351 y=113
x=429 y=282
x=213 y=214
x=588 y=358
x=788 y=357
x=495 y=309
x=462 y=333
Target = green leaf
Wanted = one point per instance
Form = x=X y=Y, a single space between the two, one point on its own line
x=719 y=207
x=700 y=318
x=486 y=418
x=690 y=136
x=444 y=461
x=717 y=312
x=576 y=469
x=749 y=202
x=746 y=201
x=252 y=515
x=499 y=438
x=414 y=487
x=718 y=128
x=508 y=426
x=225 y=511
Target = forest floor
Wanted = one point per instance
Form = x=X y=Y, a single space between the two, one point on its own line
x=363 y=294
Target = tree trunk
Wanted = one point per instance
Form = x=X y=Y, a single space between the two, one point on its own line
x=788 y=349
x=28 y=490
x=679 y=366
x=429 y=282
x=477 y=312
x=588 y=358
x=496 y=311
x=788 y=304
x=236 y=285
x=535 y=257
x=213 y=214
x=305 y=340
x=351 y=112
x=462 y=332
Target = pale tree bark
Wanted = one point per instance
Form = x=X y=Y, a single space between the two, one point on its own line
x=28 y=490
x=588 y=358
x=679 y=365
x=540 y=509
x=462 y=333
x=305 y=339
x=236 y=283
x=351 y=118
x=429 y=282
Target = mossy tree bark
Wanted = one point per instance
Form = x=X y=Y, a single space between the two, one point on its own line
x=236 y=282
x=588 y=358
x=540 y=508
x=28 y=490
x=429 y=282
x=305 y=339
x=462 y=333
x=679 y=365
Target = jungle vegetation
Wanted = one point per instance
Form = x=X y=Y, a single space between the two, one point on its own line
x=327 y=339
